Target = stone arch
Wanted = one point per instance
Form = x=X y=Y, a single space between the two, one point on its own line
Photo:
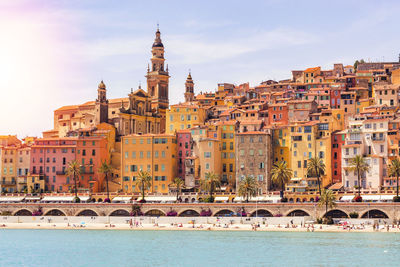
x=23 y=212
x=87 y=212
x=336 y=213
x=189 y=213
x=298 y=200
x=120 y=213
x=154 y=213
x=375 y=214
x=298 y=213
x=54 y=212
x=312 y=199
x=225 y=212
x=261 y=213
x=291 y=199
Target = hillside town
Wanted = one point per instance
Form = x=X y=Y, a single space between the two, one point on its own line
x=329 y=118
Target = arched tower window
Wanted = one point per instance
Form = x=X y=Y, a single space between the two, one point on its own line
x=154 y=67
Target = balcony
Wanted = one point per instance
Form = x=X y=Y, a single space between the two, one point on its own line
x=8 y=183
x=378 y=138
x=60 y=172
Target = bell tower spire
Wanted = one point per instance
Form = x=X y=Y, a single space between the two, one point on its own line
x=189 y=88
x=101 y=104
x=158 y=78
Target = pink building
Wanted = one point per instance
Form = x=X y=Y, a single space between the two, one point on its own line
x=184 y=141
x=49 y=160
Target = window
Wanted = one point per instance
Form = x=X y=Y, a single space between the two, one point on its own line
x=262 y=165
x=133 y=154
x=299 y=164
x=126 y=155
x=163 y=154
x=207 y=154
x=260 y=152
x=156 y=167
x=251 y=152
x=141 y=154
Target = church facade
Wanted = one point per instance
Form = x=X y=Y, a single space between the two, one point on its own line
x=140 y=113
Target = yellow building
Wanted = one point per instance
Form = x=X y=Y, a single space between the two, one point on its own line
x=184 y=116
x=396 y=76
x=8 y=169
x=307 y=142
x=154 y=153
x=227 y=131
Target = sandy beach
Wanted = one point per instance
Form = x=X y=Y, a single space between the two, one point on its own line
x=206 y=227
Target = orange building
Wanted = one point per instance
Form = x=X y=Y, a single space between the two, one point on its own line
x=91 y=151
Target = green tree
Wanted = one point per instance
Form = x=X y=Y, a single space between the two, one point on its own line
x=281 y=174
x=316 y=168
x=143 y=181
x=210 y=184
x=394 y=171
x=248 y=187
x=327 y=199
x=359 y=166
x=178 y=183
x=74 y=170
x=106 y=169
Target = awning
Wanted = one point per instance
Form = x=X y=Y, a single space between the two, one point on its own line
x=121 y=199
x=32 y=198
x=371 y=197
x=11 y=199
x=387 y=197
x=158 y=198
x=347 y=198
x=221 y=198
x=258 y=199
x=336 y=186
x=63 y=198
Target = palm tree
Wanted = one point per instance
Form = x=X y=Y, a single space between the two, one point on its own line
x=210 y=184
x=178 y=183
x=74 y=170
x=360 y=166
x=143 y=181
x=106 y=169
x=394 y=171
x=248 y=187
x=327 y=199
x=316 y=167
x=281 y=174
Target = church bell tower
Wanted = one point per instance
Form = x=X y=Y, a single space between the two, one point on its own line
x=101 y=104
x=189 y=89
x=158 y=79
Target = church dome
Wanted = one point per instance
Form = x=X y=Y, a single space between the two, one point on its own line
x=102 y=85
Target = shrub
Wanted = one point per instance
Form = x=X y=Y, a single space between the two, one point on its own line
x=206 y=213
x=316 y=199
x=278 y=215
x=37 y=212
x=319 y=220
x=353 y=215
x=136 y=210
x=172 y=213
x=284 y=199
x=357 y=199
x=209 y=199
x=396 y=199
x=107 y=200
x=328 y=220
x=6 y=213
x=76 y=200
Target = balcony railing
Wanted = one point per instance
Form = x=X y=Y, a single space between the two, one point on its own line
x=8 y=182
x=378 y=138
x=60 y=172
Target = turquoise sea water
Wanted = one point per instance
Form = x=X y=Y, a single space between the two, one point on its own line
x=197 y=248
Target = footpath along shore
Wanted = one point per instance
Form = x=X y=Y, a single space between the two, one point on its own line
x=135 y=226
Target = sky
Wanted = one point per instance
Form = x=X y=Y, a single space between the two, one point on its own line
x=55 y=53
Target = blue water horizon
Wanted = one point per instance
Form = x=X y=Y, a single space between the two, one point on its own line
x=39 y=247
